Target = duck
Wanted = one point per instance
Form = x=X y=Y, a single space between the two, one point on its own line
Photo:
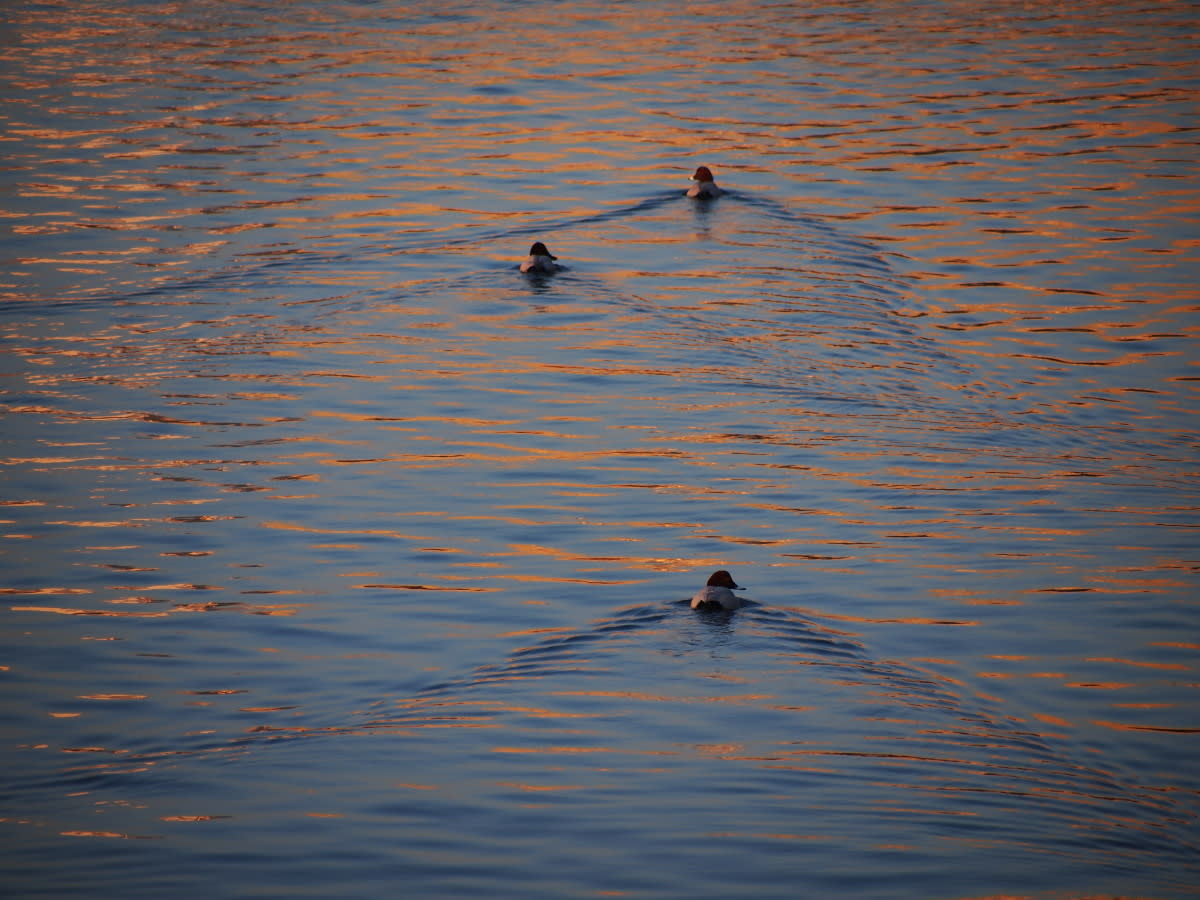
x=539 y=260
x=718 y=593
x=703 y=185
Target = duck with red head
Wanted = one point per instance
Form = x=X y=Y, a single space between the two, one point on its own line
x=718 y=593
x=540 y=260
x=703 y=184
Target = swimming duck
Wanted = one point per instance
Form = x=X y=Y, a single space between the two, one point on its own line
x=704 y=185
x=718 y=593
x=539 y=260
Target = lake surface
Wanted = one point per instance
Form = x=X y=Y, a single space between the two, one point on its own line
x=341 y=559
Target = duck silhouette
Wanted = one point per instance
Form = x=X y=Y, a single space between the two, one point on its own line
x=703 y=184
x=718 y=593
x=539 y=260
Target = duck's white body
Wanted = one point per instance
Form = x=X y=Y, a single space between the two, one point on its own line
x=719 y=592
x=540 y=260
x=703 y=184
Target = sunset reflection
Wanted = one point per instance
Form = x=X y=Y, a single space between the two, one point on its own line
x=337 y=551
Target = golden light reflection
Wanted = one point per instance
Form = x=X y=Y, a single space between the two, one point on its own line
x=553 y=751
x=312 y=529
x=532 y=632
x=1004 y=675
x=193 y=818
x=720 y=750
x=1101 y=685
x=869 y=620
x=1053 y=720
x=87 y=612
x=44 y=591
x=213 y=606
x=1153 y=729
x=1173 y=667
x=427 y=587
x=542 y=788
x=736 y=699
x=1039 y=212
x=112 y=696
x=111 y=834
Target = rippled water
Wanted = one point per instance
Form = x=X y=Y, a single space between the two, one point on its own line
x=340 y=559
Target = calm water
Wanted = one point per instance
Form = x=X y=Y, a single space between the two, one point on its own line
x=342 y=560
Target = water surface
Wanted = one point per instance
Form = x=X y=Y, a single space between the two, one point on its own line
x=341 y=559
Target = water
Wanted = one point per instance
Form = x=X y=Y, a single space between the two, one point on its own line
x=342 y=560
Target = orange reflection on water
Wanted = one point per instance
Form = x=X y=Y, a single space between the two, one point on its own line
x=211 y=606
x=1158 y=729
x=542 y=788
x=112 y=834
x=1053 y=720
x=1101 y=685
x=30 y=592
x=64 y=611
x=553 y=750
x=112 y=696
x=665 y=698
x=193 y=818
x=1004 y=675
x=1175 y=667
x=872 y=620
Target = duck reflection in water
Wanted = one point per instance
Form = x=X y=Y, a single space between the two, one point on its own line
x=718 y=593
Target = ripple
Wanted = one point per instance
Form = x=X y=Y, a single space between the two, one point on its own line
x=382 y=536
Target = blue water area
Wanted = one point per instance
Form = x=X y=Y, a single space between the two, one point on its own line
x=340 y=558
